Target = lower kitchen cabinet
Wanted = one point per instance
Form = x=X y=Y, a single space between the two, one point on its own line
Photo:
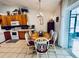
x=7 y=36
x=21 y=35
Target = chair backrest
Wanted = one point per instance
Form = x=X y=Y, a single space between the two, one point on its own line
x=41 y=45
x=28 y=40
x=27 y=37
x=52 y=32
x=55 y=37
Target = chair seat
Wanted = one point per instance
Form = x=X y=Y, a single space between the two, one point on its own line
x=41 y=51
x=30 y=43
x=51 y=41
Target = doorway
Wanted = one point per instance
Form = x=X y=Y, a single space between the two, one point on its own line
x=73 y=27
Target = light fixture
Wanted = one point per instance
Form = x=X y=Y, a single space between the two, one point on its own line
x=40 y=15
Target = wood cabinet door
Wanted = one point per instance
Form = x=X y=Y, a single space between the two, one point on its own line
x=7 y=36
x=4 y=21
x=24 y=19
x=19 y=19
x=22 y=35
x=8 y=18
x=1 y=20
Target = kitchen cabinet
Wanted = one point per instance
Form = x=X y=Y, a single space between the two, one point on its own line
x=21 y=35
x=6 y=20
x=24 y=19
x=19 y=19
x=7 y=35
x=0 y=20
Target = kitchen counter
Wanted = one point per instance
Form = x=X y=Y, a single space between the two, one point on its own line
x=15 y=34
x=17 y=30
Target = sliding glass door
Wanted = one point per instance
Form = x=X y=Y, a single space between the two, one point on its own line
x=77 y=26
x=72 y=30
x=74 y=26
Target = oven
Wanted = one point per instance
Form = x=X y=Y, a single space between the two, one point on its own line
x=14 y=35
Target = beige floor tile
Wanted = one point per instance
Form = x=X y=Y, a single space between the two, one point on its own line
x=24 y=51
x=51 y=53
x=35 y=56
x=7 y=55
x=60 y=56
x=1 y=55
x=13 y=55
x=21 y=56
x=52 y=56
x=28 y=56
x=19 y=50
x=3 y=50
x=10 y=55
x=68 y=57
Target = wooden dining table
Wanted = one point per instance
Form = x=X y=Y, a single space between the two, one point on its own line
x=35 y=35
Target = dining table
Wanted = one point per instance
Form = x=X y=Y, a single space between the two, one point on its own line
x=35 y=36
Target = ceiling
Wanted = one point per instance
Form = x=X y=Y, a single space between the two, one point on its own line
x=46 y=5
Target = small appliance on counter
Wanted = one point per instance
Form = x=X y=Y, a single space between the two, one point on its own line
x=24 y=26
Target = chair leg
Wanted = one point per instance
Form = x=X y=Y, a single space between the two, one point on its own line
x=27 y=50
x=55 y=48
x=37 y=55
x=47 y=54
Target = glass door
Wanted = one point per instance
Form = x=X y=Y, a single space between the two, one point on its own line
x=72 y=29
x=77 y=27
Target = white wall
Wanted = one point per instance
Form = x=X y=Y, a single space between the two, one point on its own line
x=4 y=9
x=32 y=18
x=57 y=14
x=63 y=39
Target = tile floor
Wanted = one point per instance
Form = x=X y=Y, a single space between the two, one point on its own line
x=19 y=50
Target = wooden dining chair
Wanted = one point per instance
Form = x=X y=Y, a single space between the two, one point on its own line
x=41 y=46
x=30 y=43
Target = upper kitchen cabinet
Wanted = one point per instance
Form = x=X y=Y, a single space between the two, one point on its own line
x=9 y=18
x=0 y=19
x=24 y=20
x=4 y=21
x=14 y=18
x=21 y=18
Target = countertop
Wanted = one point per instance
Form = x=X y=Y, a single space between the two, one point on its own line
x=17 y=30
